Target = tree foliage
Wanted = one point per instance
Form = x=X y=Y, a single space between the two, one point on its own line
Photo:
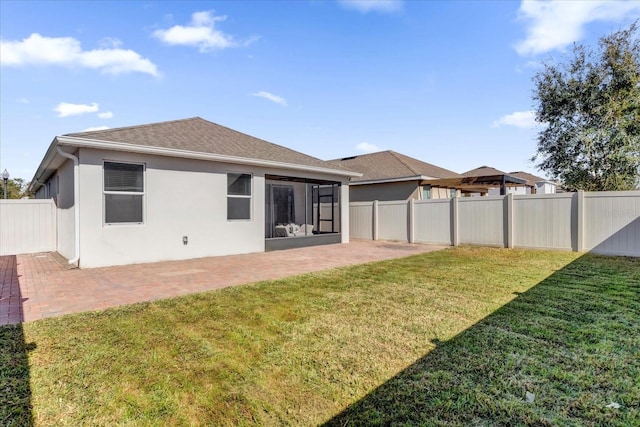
x=16 y=188
x=590 y=106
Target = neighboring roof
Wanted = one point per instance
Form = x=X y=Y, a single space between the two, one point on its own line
x=479 y=178
x=193 y=138
x=386 y=166
x=484 y=171
x=530 y=177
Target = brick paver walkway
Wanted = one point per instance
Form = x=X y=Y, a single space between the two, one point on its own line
x=36 y=286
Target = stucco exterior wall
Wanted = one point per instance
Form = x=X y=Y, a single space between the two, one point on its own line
x=545 y=188
x=516 y=191
x=65 y=210
x=183 y=197
x=384 y=191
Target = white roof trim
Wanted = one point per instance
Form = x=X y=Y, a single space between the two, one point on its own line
x=172 y=152
x=389 y=180
x=72 y=141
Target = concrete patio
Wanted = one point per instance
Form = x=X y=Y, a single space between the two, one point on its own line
x=36 y=286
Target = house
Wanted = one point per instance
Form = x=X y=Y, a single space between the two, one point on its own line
x=387 y=175
x=518 y=183
x=186 y=189
x=536 y=184
x=497 y=182
x=483 y=181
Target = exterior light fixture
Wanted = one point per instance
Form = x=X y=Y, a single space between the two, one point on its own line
x=5 y=178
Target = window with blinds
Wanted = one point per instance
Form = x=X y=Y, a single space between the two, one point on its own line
x=123 y=193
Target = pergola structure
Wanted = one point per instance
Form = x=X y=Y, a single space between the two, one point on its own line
x=478 y=184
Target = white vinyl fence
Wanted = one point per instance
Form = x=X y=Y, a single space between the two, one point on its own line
x=600 y=222
x=27 y=226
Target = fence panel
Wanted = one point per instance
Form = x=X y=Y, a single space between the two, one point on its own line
x=432 y=221
x=481 y=221
x=392 y=220
x=361 y=220
x=544 y=221
x=612 y=223
x=600 y=222
x=27 y=226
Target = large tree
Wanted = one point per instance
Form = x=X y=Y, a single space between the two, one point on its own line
x=590 y=108
x=16 y=188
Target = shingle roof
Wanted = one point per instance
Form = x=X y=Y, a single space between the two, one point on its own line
x=484 y=171
x=529 y=177
x=202 y=136
x=390 y=165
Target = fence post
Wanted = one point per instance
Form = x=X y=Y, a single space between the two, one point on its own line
x=374 y=221
x=454 y=221
x=411 y=221
x=509 y=221
x=580 y=221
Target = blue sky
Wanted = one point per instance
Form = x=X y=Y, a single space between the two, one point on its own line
x=446 y=82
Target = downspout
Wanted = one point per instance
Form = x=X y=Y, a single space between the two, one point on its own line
x=39 y=184
x=76 y=203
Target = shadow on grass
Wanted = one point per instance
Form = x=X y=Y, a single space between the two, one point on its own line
x=557 y=354
x=15 y=390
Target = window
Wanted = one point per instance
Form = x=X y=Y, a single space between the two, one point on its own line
x=238 y=196
x=426 y=192
x=123 y=193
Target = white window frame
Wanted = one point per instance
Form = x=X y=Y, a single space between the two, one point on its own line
x=125 y=193
x=236 y=196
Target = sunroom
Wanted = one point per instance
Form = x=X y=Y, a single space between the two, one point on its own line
x=301 y=212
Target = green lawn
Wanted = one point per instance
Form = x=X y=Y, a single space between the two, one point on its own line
x=456 y=337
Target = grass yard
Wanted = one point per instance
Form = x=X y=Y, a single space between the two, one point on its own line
x=458 y=337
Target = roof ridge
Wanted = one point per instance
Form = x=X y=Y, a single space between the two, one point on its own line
x=487 y=167
x=260 y=139
x=355 y=156
x=139 y=126
x=399 y=156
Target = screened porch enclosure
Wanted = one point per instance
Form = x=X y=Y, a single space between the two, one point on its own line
x=301 y=212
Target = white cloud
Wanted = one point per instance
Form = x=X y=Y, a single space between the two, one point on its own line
x=556 y=24
x=367 y=148
x=366 y=6
x=271 y=97
x=110 y=43
x=66 y=51
x=106 y=115
x=23 y=101
x=65 y=109
x=519 y=119
x=91 y=129
x=201 y=33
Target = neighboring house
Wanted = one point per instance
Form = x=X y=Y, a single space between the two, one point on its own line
x=518 y=183
x=481 y=181
x=536 y=184
x=186 y=189
x=388 y=175
x=497 y=182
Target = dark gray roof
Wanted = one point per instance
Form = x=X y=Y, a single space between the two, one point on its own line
x=386 y=165
x=202 y=136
